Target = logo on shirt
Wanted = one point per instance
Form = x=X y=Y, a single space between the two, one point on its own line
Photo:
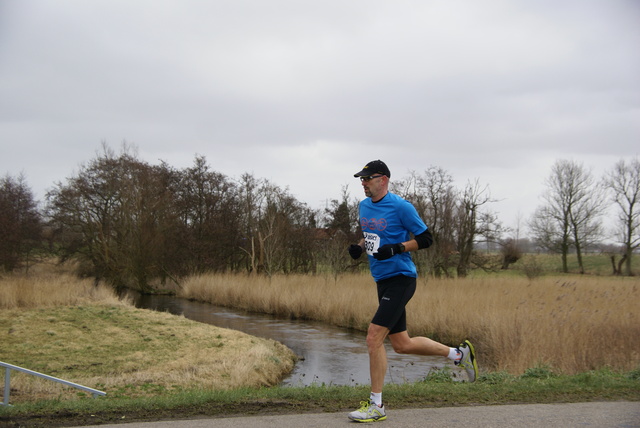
x=373 y=224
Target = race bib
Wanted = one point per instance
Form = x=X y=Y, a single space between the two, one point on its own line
x=371 y=243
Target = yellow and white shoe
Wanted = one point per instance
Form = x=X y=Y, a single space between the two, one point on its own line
x=468 y=360
x=368 y=412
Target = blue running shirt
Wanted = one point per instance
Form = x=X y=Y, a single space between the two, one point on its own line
x=389 y=221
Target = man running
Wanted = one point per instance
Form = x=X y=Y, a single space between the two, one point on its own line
x=388 y=223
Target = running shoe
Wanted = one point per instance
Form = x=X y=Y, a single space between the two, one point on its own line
x=368 y=412
x=468 y=360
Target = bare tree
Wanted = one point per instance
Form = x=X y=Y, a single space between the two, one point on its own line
x=457 y=220
x=287 y=229
x=209 y=212
x=573 y=210
x=342 y=228
x=86 y=209
x=250 y=202
x=435 y=198
x=20 y=222
x=342 y=214
x=114 y=213
x=276 y=228
x=471 y=223
x=549 y=233
x=624 y=181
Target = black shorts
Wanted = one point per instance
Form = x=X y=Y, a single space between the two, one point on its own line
x=393 y=295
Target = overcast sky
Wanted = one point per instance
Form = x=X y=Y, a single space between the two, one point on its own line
x=304 y=93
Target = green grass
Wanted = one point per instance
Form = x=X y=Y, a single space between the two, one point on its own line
x=551 y=264
x=537 y=385
x=594 y=264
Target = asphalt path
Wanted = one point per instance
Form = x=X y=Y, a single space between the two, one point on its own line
x=598 y=414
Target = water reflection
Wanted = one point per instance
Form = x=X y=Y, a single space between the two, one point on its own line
x=331 y=355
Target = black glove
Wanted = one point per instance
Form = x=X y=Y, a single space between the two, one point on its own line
x=355 y=251
x=387 y=251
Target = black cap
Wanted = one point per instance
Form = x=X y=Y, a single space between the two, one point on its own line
x=374 y=167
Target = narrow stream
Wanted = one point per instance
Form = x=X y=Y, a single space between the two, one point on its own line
x=331 y=355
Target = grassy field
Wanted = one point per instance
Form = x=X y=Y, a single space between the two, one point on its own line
x=595 y=264
x=86 y=335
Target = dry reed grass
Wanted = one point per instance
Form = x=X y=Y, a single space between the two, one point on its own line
x=573 y=324
x=289 y=296
x=51 y=290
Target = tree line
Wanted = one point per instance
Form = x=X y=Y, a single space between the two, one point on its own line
x=136 y=225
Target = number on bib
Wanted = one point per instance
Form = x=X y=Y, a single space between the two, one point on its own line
x=371 y=243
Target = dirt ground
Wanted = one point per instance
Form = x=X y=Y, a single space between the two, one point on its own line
x=208 y=411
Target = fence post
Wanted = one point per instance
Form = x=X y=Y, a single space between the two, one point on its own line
x=7 y=386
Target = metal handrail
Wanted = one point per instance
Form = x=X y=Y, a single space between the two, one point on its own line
x=7 y=380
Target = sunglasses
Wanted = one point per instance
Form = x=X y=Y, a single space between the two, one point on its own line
x=371 y=177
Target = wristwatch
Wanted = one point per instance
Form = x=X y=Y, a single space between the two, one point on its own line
x=401 y=246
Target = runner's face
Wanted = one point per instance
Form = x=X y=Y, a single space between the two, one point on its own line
x=373 y=187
